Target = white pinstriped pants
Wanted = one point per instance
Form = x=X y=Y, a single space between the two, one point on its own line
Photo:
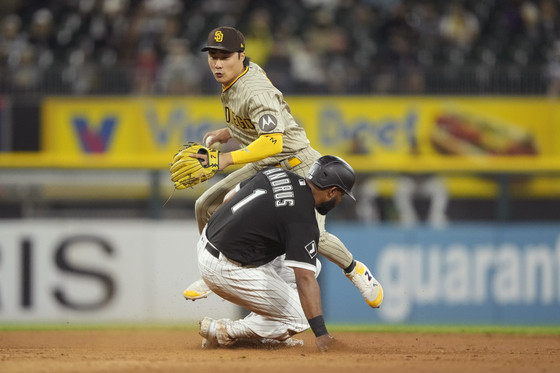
x=269 y=291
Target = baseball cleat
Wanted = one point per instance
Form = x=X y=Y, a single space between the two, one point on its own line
x=370 y=288
x=207 y=331
x=290 y=342
x=197 y=290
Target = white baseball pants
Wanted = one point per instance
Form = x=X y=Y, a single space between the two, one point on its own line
x=269 y=291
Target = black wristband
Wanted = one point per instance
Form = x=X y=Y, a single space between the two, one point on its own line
x=318 y=326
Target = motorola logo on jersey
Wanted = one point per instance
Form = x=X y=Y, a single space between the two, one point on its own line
x=311 y=249
x=267 y=122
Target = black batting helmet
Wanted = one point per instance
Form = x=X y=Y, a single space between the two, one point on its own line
x=329 y=171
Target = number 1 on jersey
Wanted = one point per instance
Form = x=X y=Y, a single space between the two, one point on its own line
x=249 y=198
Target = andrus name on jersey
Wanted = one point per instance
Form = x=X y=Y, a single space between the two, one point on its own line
x=237 y=121
x=281 y=187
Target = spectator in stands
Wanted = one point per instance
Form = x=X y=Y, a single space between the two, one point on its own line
x=553 y=72
x=529 y=13
x=80 y=76
x=180 y=72
x=307 y=69
x=343 y=77
x=361 y=23
x=397 y=24
x=459 y=26
x=549 y=24
x=145 y=70
x=168 y=36
x=165 y=7
x=278 y=65
x=426 y=20
x=12 y=41
x=41 y=35
x=24 y=73
x=258 y=36
x=320 y=29
x=400 y=71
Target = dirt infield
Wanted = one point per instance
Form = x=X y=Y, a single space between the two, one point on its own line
x=179 y=351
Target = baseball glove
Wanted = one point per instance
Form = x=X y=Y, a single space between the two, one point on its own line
x=187 y=172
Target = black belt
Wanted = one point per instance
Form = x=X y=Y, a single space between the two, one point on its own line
x=216 y=254
x=213 y=251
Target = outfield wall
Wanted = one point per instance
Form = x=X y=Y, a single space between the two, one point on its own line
x=483 y=273
x=92 y=271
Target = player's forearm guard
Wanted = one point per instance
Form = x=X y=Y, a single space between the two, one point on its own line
x=263 y=147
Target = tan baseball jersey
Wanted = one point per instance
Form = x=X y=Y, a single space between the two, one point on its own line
x=254 y=107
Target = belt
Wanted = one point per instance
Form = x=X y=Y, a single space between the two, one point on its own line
x=216 y=254
x=289 y=163
x=213 y=251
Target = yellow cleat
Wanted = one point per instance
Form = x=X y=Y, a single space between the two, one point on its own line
x=197 y=290
x=370 y=288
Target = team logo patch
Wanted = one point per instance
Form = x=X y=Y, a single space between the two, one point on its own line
x=311 y=249
x=267 y=122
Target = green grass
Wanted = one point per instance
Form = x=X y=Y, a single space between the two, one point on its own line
x=481 y=329
x=334 y=328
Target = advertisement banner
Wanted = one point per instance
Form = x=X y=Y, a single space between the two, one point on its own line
x=430 y=126
x=125 y=132
x=480 y=274
x=393 y=134
x=89 y=271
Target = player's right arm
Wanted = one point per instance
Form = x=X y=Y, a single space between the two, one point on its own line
x=310 y=297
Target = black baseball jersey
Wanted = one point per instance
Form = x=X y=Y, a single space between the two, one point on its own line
x=272 y=213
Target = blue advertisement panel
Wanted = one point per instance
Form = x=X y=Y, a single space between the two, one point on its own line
x=464 y=274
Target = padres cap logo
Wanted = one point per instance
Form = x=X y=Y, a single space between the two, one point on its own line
x=267 y=122
x=226 y=39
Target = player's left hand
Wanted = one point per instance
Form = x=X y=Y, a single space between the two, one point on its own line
x=193 y=165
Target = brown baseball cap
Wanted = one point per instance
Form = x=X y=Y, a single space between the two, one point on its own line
x=226 y=39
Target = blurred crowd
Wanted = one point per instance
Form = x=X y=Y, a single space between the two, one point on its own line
x=306 y=46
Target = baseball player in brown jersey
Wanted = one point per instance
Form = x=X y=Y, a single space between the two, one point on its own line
x=260 y=120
